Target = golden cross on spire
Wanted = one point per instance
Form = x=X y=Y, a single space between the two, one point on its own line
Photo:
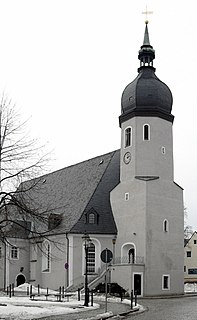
x=146 y=13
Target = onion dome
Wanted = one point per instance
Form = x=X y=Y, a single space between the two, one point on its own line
x=146 y=96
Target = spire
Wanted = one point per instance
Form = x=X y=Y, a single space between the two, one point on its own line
x=146 y=35
x=146 y=53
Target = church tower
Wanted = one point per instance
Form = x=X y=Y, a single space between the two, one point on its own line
x=148 y=204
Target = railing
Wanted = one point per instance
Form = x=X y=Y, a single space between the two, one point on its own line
x=129 y=260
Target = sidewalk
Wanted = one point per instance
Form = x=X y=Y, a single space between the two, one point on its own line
x=113 y=309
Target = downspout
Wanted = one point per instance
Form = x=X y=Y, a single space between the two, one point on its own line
x=67 y=261
x=5 y=266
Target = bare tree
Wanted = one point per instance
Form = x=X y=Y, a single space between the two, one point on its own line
x=21 y=162
x=188 y=231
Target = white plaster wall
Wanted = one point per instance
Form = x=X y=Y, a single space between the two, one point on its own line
x=164 y=249
x=140 y=219
x=57 y=276
x=16 y=264
x=130 y=215
x=147 y=157
x=123 y=275
x=2 y=266
x=101 y=242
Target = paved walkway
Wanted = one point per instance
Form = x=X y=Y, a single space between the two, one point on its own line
x=115 y=307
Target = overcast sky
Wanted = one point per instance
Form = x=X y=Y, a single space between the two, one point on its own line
x=65 y=64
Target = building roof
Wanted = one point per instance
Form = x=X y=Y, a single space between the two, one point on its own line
x=19 y=229
x=187 y=241
x=74 y=191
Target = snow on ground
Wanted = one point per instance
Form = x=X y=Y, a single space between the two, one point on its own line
x=23 y=307
x=190 y=287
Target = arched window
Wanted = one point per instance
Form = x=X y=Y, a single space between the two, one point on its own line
x=165 y=225
x=93 y=256
x=46 y=256
x=91 y=259
x=146 y=132
x=128 y=137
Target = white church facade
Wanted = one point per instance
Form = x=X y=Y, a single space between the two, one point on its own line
x=126 y=201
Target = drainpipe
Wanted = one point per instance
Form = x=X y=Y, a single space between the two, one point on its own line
x=67 y=262
x=5 y=264
x=113 y=248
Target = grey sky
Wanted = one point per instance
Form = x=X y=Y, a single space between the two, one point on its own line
x=65 y=64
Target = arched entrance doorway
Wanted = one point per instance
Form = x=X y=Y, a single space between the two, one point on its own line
x=20 y=280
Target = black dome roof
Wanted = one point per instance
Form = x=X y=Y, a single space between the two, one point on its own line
x=146 y=95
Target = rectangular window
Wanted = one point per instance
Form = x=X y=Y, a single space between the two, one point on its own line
x=195 y=241
x=189 y=254
x=14 y=253
x=165 y=282
x=192 y=271
x=185 y=269
x=0 y=252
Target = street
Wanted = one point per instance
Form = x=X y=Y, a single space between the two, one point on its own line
x=168 y=309
x=184 y=308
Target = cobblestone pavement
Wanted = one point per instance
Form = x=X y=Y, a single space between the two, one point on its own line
x=184 y=308
x=116 y=308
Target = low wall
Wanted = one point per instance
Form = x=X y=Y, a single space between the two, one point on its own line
x=123 y=275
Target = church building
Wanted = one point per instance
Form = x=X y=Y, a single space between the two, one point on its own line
x=125 y=200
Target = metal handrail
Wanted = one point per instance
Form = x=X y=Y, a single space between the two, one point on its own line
x=129 y=260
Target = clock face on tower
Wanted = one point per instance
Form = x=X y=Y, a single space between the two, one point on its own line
x=127 y=157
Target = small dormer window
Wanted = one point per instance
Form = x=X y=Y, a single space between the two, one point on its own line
x=54 y=220
x=92 y=217
x=146 y=132
x=128 y=141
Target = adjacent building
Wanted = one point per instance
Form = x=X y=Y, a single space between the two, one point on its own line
x=190 y=259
